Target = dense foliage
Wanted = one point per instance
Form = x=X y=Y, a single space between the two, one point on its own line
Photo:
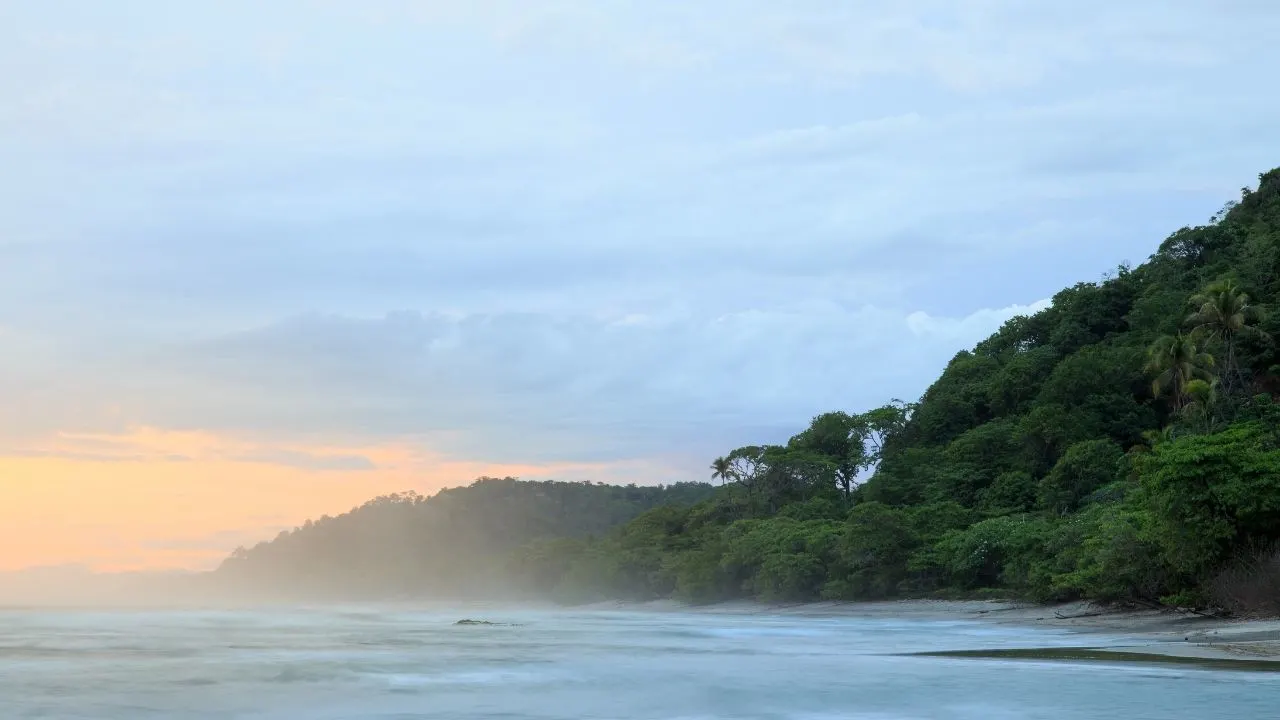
x=1121 y=444
x=451 y=543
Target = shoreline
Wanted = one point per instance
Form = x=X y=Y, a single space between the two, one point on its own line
x=1105 y=632
x=1153 y=633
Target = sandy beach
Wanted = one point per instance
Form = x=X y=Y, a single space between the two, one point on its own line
x=1160 y=633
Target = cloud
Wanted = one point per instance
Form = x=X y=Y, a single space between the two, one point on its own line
x=822 y=142
x=539 y=387
x=975 y=325
x=216 y=542
x=558 y=231
x=92 y=457
x=142 y=444
x=308 y=461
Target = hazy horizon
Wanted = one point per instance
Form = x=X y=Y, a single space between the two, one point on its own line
x=263 y=263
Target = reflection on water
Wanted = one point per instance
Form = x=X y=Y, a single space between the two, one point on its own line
x=363 y=664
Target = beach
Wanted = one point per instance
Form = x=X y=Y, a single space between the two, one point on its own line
x=1131 y=632
x=911 y=660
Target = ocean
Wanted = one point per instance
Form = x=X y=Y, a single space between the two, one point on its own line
x=362 y=663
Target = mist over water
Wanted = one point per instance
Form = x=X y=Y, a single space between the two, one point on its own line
x=365 y=662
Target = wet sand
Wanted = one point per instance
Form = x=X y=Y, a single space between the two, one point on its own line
x=1150 y=635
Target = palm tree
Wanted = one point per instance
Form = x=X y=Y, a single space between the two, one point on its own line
x=1152 y=438
x=1224 y=311
x=722 y=470
x=1176 y=360
x=1202 y=400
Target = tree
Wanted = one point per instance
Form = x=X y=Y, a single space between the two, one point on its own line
x=1210 y=492
x=1224 y=312
x=842 y=439
x=746 y=464
x=1084 y=467
x=876 y=544
x=853 y=443
x=791 y=474
x=1011 y=492
x=721 y=469
x=1176 y=360
x=1202 y=404
x=882 y=425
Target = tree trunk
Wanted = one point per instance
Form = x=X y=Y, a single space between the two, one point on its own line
x=1234 y=375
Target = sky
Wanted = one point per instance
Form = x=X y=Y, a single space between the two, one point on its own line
x=264 y=261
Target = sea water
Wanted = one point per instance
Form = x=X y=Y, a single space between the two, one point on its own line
x=398 y=664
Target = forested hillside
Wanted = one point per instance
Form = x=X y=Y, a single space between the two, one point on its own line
x=1122 y=444
x=453 y=543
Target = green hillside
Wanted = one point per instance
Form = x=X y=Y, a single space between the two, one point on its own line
x=450 y=544
x=1121 y=445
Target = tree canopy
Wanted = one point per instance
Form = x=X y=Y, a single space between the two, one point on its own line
x=1120 y=444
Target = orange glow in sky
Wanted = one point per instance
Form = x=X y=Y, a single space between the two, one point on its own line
x=153 y=499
